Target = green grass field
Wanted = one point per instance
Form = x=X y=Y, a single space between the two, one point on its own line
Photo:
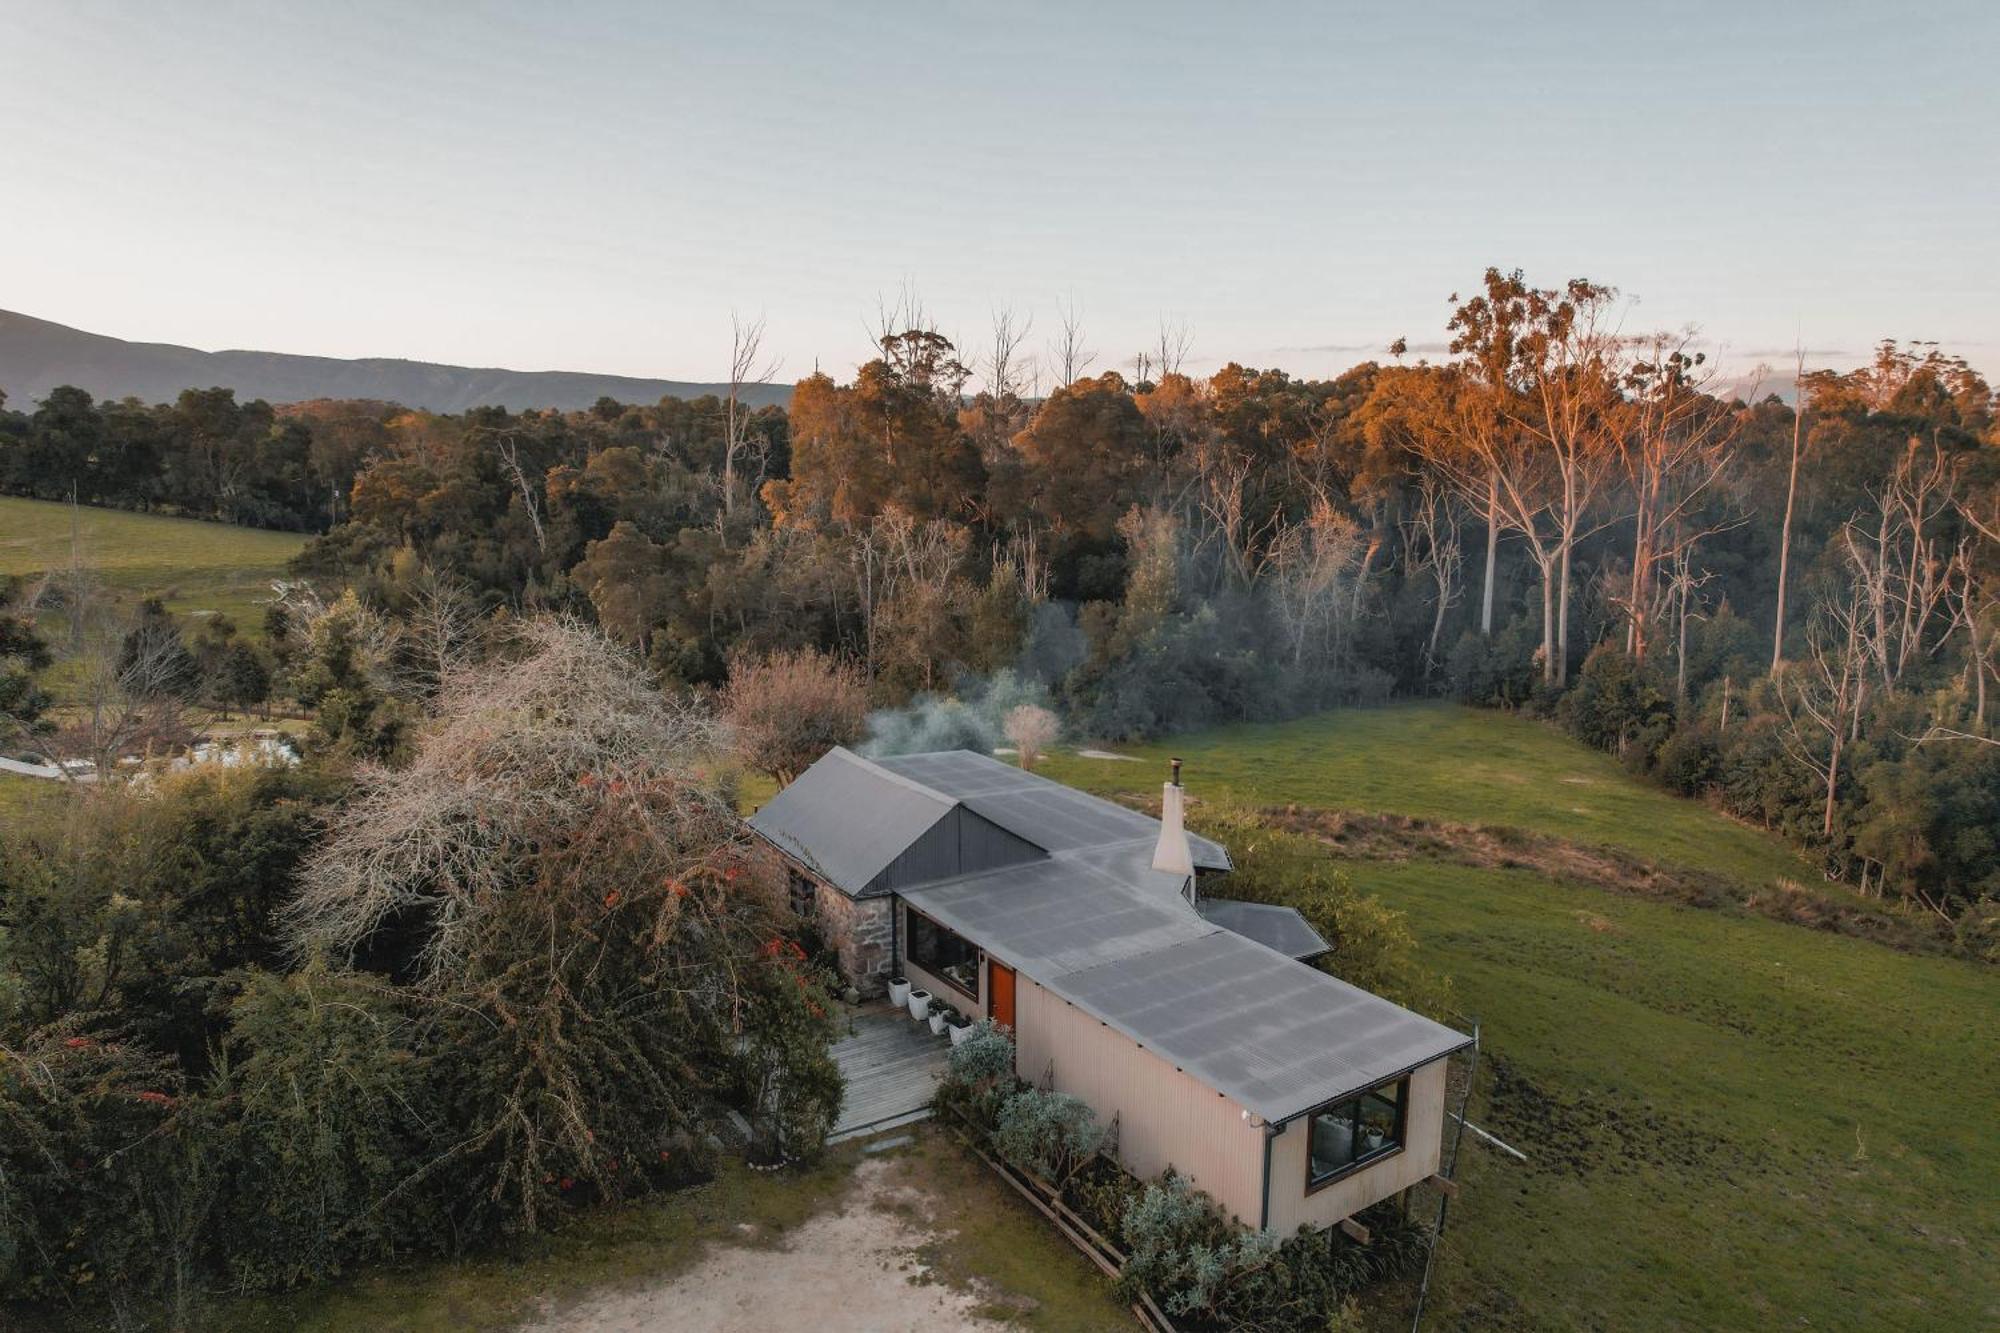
x=195 y=567
x=1732 y=1122
x=1440 y=761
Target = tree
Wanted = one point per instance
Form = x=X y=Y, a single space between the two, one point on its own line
x=23 y=653
x=1822 y=696
x=625 y=577
x=1675 y=452
x=580 y=917
x=243 y=679
x=747 y=365
x=1791 y=504
x=1030 y=729
x=787 y=709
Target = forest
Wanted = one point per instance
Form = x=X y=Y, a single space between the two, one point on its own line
x=1790 y=612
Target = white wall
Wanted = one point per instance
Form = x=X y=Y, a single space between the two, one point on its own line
x=1165 y=1117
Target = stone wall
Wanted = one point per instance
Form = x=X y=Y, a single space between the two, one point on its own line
x=862 y=932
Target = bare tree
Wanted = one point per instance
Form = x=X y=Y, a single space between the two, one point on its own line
x=1791 y=501
x=507 y=444
x=1973 y=604
x=1308 y=568
x=442 y=630
x=1002 y=367
x=747 y=365
x=1031 y=729
x=1898 y=559
x=516 y=744
x=1171 y=350
x=786 y=710
x=1675 y=453
x=1067 y=354
x=1822 y=696
x=1431 y=547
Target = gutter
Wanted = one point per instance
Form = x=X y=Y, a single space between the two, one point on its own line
x=1375 y=1082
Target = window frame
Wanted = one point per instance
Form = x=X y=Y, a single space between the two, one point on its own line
x=1315 y=1183
x=911 y=916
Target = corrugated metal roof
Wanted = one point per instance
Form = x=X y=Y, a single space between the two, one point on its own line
x=1274 y=927
x=847 y=818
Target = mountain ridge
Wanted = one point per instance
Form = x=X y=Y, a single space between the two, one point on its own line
x=38 y=355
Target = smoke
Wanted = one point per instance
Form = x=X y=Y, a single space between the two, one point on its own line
x=974 y=719
x=973 y=716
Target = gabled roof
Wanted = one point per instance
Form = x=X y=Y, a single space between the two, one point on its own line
x=846 y=819
x=1047 y=813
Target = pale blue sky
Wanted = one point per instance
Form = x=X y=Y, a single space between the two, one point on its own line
x=596 y=186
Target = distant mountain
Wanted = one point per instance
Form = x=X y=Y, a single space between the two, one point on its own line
x=37 y=356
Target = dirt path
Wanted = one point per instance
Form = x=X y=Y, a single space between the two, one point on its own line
x=850 y=1271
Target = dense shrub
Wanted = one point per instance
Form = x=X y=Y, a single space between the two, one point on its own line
x=87 y=1131
x=1048 y=1134
x=979 y=1075
x=1373 y=945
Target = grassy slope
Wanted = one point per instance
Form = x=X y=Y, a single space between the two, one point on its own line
x=1440 y=761
x=1732 y=1121
x=193 y=566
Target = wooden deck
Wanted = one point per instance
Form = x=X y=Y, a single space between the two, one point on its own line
x=891 y=1063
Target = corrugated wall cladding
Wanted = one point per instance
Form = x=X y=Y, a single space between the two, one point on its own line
x=1423 y=1137
x=1165 y=1117
x=959 y=843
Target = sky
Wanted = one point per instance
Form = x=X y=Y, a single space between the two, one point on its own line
x=599 y=186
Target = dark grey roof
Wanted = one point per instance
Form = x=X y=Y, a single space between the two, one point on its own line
x=1277 y=1036
x=1094 y=923
x=1044 y=811
x=1274 y=927
x=847 y=819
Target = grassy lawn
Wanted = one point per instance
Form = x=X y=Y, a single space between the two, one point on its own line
x=195 y=567
x=1731 y=1122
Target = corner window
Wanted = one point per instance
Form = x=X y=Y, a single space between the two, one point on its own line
x=944 y=954
x=1354 y=1132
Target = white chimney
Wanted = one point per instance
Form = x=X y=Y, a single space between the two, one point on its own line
x=1172 y=853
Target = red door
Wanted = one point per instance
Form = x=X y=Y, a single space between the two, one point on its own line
x=1000 y=993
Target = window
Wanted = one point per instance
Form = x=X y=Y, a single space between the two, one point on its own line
x=944 y=954
x=804 y=899
x=1354 y=1132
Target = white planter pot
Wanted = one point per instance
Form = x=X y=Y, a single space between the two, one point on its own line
x=920 y=1004
x=960 y=1033
x=937 y=1022
x=899 y=993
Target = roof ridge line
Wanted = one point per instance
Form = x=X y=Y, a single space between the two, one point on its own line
x=899 y=778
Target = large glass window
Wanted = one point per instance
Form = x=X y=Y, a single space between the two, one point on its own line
x=1356 y=1131
x=945 y=954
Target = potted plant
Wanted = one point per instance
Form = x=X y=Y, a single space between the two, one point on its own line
x=920 y=1005
x=899 y=991
x=960 y=1026
x=940 y=1016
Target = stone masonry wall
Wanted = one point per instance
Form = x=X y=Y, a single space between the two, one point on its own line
x=862 y=932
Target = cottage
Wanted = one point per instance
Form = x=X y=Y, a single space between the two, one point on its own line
x=1098 y=936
